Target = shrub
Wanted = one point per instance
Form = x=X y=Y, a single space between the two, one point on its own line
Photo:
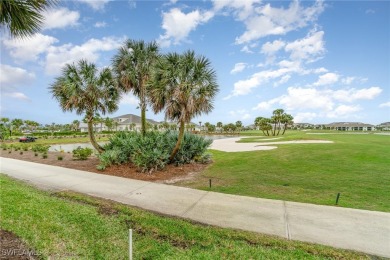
x=192 y=147
x=21 y=152
x=44 y=156
x=40 y=148
x=108 y=158
x=4 y=146
x=60 y=158
x=151 y=152
x=82 y=153
x=36 y=154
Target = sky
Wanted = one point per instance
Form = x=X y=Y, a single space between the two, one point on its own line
x=320 y=61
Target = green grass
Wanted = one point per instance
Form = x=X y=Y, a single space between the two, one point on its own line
x=356 y=165
x=72 y=226
x=65 y=140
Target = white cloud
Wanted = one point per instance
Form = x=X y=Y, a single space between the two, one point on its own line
x=12 y=77
x=23 y=50
x=240 y=114
x=348 y=80
x=298 y=98
x=283 y=80
x=129 y=99
x=386 y=104
x=304 y=117
x=18 y=95
x=350 y=95
x=309 y=48
x=272 y=47
x=60 y=18
x=241 y=9
x=244 y=87
x=266 y=105
x=343 y=111
x=266 y=20
x=178 y=25
x=246 y=49
x=96 y=4
x=58 y=56
x=327 y=79
x=238 y=67
x=100 y=24
x=314 y=102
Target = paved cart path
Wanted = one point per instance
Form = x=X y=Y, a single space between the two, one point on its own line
x=360 y=230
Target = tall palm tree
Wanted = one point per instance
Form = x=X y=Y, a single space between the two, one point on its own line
x=184 y=86
x=276 y=117
x=219 y=125
x=287 y=119
x=85 y=90
x=75 y=125
x=133 y=66
x=23 y=18
x=239 y=125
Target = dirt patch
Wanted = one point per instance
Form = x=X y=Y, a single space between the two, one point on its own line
x=12 y=247
x=170 y=172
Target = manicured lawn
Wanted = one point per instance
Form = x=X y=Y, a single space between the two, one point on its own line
x=356 y=165
x=73 y=226
x=66 y=140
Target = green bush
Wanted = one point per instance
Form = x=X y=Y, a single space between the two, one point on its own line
x=40 y=148
x=44 y=156
x=151 y=152
x=60 y=158
x=4 y=146
x=82 y=153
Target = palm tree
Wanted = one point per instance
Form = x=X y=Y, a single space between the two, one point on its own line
x=85 y=90
x=287 y=119
x=239 y=125
x=16 y=124
x=184 y=86
x=23 y=18
x=277 y=116
x=75 y=125
x=219 y=125
x=133 y=66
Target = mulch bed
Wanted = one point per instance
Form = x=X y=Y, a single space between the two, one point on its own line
x=127 y=171
x=13 y=248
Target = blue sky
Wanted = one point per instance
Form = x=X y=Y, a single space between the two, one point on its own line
x=321 y=61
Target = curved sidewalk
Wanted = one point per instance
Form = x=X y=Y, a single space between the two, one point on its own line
x=360 y=230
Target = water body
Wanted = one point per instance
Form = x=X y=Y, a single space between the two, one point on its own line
x=70 y=147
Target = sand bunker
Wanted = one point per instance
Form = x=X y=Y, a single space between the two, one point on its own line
x=230 y=145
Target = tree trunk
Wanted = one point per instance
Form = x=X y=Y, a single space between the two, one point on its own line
x=143 y=120
x=92 y=137
x=284 y=130
x=278 y=128
x=179 y=139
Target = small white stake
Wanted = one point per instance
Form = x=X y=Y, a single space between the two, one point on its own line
x=130 y=244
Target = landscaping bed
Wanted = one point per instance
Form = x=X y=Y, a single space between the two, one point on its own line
x=126 y=170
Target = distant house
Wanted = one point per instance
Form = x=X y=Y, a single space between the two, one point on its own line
x=303 y=126
x=350 y=126
x=124 y=122
x=384 y=126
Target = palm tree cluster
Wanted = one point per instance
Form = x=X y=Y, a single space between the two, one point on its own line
x=180 y=85
x=23 y=18
x=273 y=125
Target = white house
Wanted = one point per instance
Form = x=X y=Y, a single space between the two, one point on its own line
x=350 y=126
x=121 y=123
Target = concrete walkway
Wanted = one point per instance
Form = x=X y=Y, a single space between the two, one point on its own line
x=360 y=230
